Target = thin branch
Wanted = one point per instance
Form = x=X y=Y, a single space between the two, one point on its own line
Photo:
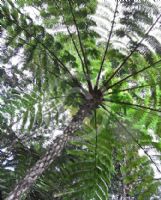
x=57 y=76
x=131 y=53
x=121 y=115
x=131 y=104
x=132 y=88
x=95 y=116
x=157 y=179
x=74 y=43
x=54 y=57
x=138 y=109
x=131 y=75
x=57 y=97
x=75 y=46
x=107 y=46
x=81 y=46
x=54 y=74
x=135 y=140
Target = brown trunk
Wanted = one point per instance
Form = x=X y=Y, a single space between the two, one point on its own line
x=51 y=154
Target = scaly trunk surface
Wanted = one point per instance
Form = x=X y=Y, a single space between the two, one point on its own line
x=52 y=153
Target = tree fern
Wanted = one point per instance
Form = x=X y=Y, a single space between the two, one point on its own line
x=96 y=85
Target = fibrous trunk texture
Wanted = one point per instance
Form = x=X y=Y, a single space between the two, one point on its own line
x=51 y=154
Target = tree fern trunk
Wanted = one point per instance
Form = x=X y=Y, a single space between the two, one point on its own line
x=52 y=153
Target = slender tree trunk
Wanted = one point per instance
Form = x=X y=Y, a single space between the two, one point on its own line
x=52 y=153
